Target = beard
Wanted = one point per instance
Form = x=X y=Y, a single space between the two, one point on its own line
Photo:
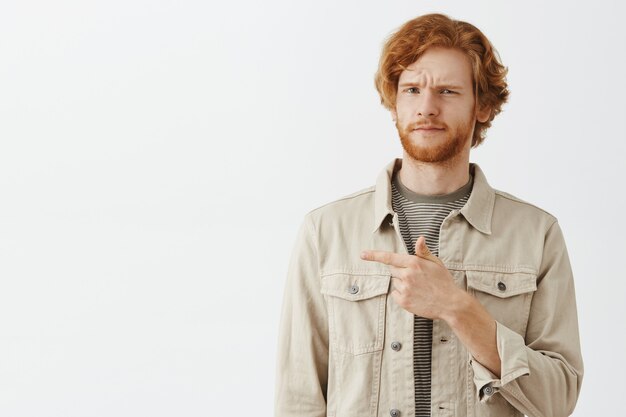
x=440 y=150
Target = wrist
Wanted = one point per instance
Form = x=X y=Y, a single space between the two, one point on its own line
x=458 y=307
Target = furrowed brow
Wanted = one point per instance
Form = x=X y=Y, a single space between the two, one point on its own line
x=441 y=86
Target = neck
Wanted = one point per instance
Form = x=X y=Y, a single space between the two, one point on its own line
x=428 y=178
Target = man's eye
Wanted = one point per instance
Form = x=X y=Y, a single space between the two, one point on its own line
x=411 y=90
x=446 y=91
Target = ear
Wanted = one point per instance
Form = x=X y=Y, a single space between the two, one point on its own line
x=483 y=114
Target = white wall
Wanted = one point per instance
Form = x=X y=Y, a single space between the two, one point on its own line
x=157 y=157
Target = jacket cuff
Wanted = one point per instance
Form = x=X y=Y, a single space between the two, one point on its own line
x=513 y=363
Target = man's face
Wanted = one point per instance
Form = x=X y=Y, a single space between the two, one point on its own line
x=435 y=111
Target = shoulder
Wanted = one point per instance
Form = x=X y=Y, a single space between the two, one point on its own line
x=355 y=200
x=345 y=212
x=507 y=205
x=510 y=204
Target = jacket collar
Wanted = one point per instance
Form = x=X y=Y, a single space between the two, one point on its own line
x=478 y=209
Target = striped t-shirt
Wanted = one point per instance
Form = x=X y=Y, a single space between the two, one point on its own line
x=422 y=215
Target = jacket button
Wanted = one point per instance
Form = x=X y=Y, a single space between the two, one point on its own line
x=488 y=390
x=501 y=286
x=394 y=413
x=396 y=346
x=354 y=289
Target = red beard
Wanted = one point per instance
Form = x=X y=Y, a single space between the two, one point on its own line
x=444 y=150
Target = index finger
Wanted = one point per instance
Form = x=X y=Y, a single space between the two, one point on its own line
x=388 y=258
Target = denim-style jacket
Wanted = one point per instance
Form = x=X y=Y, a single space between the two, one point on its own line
x=347 y=353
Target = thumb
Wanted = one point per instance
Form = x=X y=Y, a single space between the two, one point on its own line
x=422 y=250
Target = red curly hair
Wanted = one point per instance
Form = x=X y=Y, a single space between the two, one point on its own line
x=408 y=43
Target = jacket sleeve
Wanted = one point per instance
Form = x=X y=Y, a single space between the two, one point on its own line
x=302 y=363
x=542 y=373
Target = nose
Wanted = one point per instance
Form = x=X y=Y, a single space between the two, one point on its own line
x=428 y=105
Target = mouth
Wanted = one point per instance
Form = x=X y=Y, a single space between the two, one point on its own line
x=428 y=130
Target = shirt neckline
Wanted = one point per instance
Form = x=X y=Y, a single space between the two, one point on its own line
x=433 y=199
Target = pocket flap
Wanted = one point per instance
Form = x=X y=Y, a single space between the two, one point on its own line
x=501 y=284
x=355 y=287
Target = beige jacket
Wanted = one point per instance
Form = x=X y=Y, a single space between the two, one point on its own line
x=345 y=347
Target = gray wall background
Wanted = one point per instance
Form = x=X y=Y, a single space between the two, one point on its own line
x=158 y=156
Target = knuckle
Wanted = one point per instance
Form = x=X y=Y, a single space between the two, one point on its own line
x=410 y=275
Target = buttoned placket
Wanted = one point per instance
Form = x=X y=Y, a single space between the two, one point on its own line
x=445 y=345
x=399 y=330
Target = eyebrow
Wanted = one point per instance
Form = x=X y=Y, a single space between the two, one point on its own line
x=414 y=84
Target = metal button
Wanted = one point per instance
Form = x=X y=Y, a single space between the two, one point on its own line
x=396 y=346
x=501 y=286
x=488 y=390
x=354 y=289
x=394 y=413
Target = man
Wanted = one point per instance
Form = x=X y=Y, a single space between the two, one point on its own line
x=431 y=293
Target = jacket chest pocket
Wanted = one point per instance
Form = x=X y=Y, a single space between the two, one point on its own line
x=507 y=296
x=356 y=308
